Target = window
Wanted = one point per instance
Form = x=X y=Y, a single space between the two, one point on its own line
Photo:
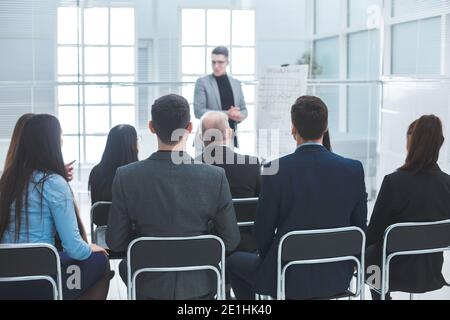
x=327 y=56
x=408 y=7
x=327 y=13
x=95 y=46
x=416 y=47
x=361 y=13
x=363 y=55
x=204 y=29
x=345 y=72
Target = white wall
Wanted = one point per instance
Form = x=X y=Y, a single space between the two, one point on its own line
x=403 y=102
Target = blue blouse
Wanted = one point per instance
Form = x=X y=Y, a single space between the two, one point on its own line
x=57 y=213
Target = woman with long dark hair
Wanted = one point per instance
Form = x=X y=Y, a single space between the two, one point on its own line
x=327 y=141
x=417 y=192
x=17 y=132
x=121 y=149
x=36 y=203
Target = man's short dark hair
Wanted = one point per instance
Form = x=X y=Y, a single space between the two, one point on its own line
x=221 y=50
x=310 y=117
x=169 y=113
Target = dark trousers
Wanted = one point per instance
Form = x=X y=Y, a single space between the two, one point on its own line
x=91 y=271
x=242 y=268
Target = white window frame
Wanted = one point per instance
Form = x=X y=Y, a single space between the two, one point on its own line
x=205 y=47
x=390 y=22
x=82 y=83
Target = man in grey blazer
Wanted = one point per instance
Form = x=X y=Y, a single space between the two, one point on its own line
x=220 y=92
x=171 y=195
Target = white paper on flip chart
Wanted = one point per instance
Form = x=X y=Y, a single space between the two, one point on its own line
x=278 y=89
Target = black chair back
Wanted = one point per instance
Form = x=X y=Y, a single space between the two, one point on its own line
x=418 y=236
x=245 y=209
x=322 y=245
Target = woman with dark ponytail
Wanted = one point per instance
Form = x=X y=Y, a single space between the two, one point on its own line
x=418 y=192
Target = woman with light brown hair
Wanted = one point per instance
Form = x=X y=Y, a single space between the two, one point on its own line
x=417 y=192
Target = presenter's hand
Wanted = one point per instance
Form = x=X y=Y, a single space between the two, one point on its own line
x=235 y=114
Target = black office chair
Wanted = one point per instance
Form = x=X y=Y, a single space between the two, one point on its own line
x=186 y=254
x=319 y=247
x=99 y=225
x=405 y=239
x=99 y=222
x=31 y=262
x=245 y=210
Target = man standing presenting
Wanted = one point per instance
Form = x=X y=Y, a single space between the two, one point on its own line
x=220 y=92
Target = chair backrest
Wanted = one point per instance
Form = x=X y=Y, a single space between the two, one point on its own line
x=417 y=238
x=245 y=210
x=100 y=213
x=321 y=244
x=26 y=262
x=184 y=252
x=99 y=221
x=191 y=252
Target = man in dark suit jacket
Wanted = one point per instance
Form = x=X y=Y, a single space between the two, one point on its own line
x=171 y=195
x=313 y=189
x=243 y=172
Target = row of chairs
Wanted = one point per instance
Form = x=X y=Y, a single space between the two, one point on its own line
x=147 y=255
x=245 y=212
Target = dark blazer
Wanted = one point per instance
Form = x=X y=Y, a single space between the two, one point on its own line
x=243 y=173
x=100 y=185
x=408 y=197
x=313 y=189
x=163 y=199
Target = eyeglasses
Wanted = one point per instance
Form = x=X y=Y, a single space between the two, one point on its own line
x=218 y=62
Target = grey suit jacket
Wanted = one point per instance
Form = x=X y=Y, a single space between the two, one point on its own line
x=159 y=198
x=207 y=96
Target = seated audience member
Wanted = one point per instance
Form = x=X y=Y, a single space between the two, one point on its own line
x=36 y=203
x=242 y=171
x=417 y=192
x=121 y=149
x=17 y=132
x=313 y=189
x=171 y=195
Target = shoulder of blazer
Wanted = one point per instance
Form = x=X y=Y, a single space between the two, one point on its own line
x=354 y=165
x=131 y=168
x=234 y=81
x=346 y=161
x=209 y=172
x=203 y=80
x=208 y=77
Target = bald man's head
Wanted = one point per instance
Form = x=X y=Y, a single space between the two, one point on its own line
x=215 y=128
